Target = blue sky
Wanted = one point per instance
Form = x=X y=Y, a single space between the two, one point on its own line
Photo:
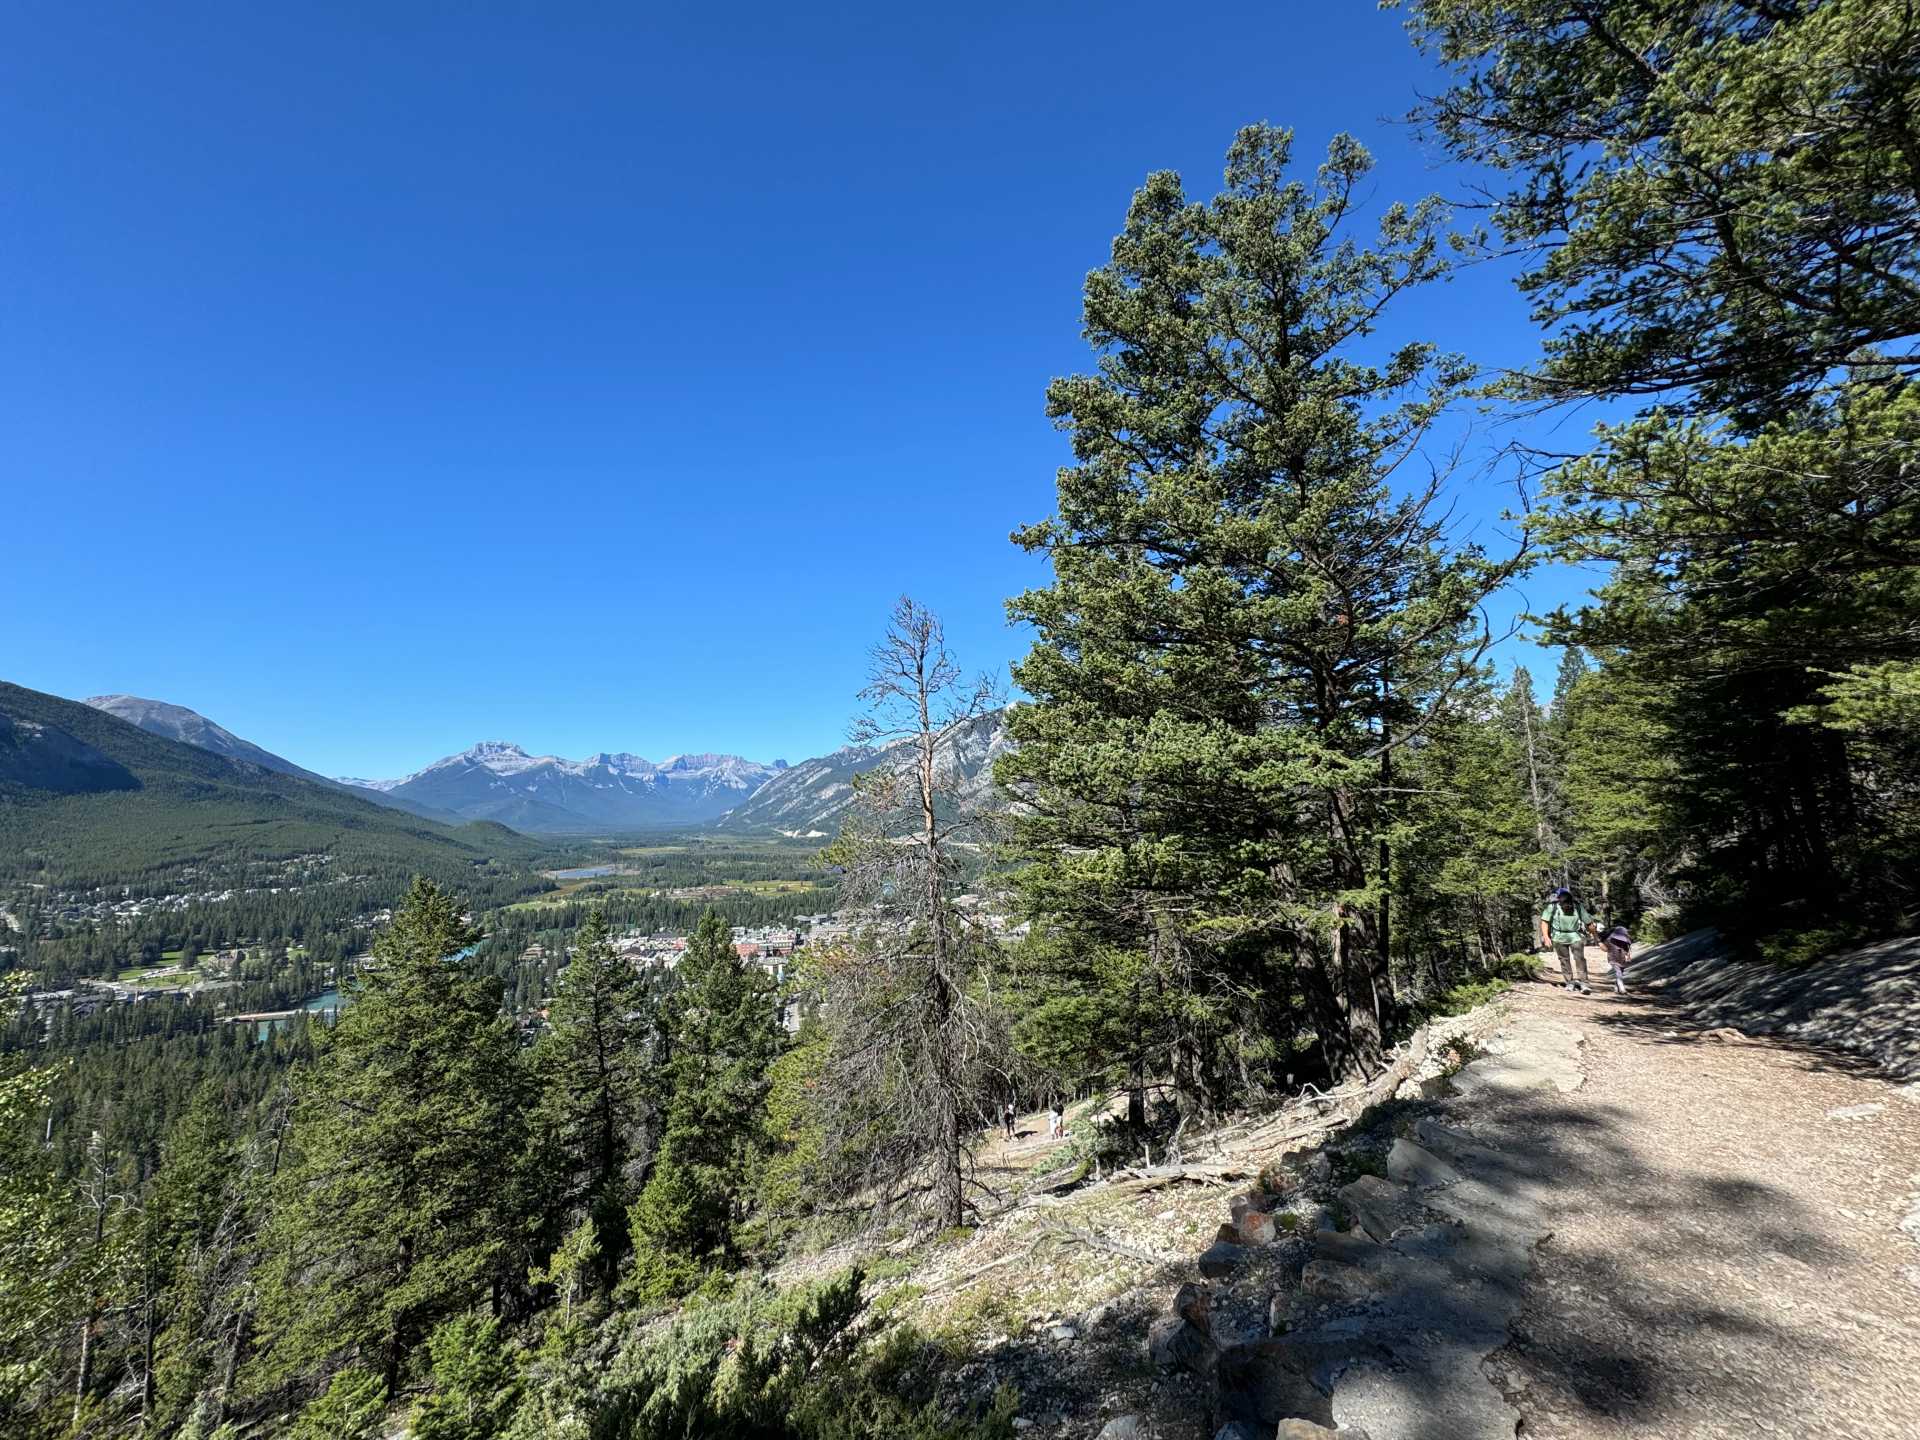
x=377 y=378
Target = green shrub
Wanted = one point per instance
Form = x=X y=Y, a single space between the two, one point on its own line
x=475 y=1389
x=1803 y=947
x=352 y=1408
x=783 y=1365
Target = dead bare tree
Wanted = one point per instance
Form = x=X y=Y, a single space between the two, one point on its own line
x=916 y=1044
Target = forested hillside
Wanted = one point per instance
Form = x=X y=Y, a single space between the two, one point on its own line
x=1264 y=802
x=150 y=807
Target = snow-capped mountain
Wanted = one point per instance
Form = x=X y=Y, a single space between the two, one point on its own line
x=497 y=780
x=811 y=799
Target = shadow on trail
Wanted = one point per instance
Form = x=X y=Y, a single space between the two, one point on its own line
x=1862 y=1003
x=1568 y=1326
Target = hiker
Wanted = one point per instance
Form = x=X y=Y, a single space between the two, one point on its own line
x=1006 y=1118
x=1565 y=925
x=1619 y=955
x=1056 y=1122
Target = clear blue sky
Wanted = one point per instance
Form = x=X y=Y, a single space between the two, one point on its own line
x=376 y=378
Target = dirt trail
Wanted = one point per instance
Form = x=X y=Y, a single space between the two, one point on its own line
x=1729 y=1258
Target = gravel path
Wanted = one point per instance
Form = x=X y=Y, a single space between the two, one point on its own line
x=1730 y=1257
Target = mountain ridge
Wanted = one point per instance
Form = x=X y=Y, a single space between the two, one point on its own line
x=609 y=790
x=90 y=796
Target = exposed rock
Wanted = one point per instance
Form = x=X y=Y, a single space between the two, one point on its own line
x=1237 y=1431
x=1854 y=1112
x=1382 y=1208
x=1126 y=1427
x=1221 y=1259
x=1411 y=1164
x=1194 y=1304
x=1341 y=1283
x=1350 y=1249
x=1256 y=1227
x=1266 y=1381
x=1307 y=1430
x=1174 y=1344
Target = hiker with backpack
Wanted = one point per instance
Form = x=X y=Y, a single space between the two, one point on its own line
x=1566 y=926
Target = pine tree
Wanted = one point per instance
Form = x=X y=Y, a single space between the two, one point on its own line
x=475 y=1390
x=1247 y=621
x=725 y=1034
x=33 y=1232
x=403 y=1205
x=1744 y=251
x=597 y=1068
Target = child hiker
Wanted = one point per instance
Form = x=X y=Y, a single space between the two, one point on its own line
x=1619 y=955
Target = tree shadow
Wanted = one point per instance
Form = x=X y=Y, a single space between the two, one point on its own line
x=1861 y=1006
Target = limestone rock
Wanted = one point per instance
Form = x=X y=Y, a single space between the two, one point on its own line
x=1221 y=1259
x=1261 y=1383
x=1126 y=1427
x=1411 y=1164
x=1194 y=1304
x=1382 y=1208
x=1349 y=1249
x=1343 y=1284
x=1255 y=1227
x=1174 y=1344
x=1307 y=1430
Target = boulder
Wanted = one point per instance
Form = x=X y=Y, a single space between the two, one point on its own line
x=1350 y=1249
x=1174 y=1344
x=1126 y=1427
x=1263 y=1382
x=1382 y=1208
x=1194 y=1304
x=1411 y=1164
x=1307 y=1430
x=1221 y=1259
x=1255 y=1227
x=1341 y=1283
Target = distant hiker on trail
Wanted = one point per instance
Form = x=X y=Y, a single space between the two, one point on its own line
x=1619 y=955
x=1565 y=925
x=1056 y=1122
x=1006 y=1119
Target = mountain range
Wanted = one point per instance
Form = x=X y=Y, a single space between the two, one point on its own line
x=87 y=797
x=545 y=794
x=811 y=799
x=605 y=793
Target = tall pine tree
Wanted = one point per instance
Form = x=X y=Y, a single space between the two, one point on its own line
x=1247 y=619
x=403 y=1205
x=598 y=1067
x=724 y=1025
